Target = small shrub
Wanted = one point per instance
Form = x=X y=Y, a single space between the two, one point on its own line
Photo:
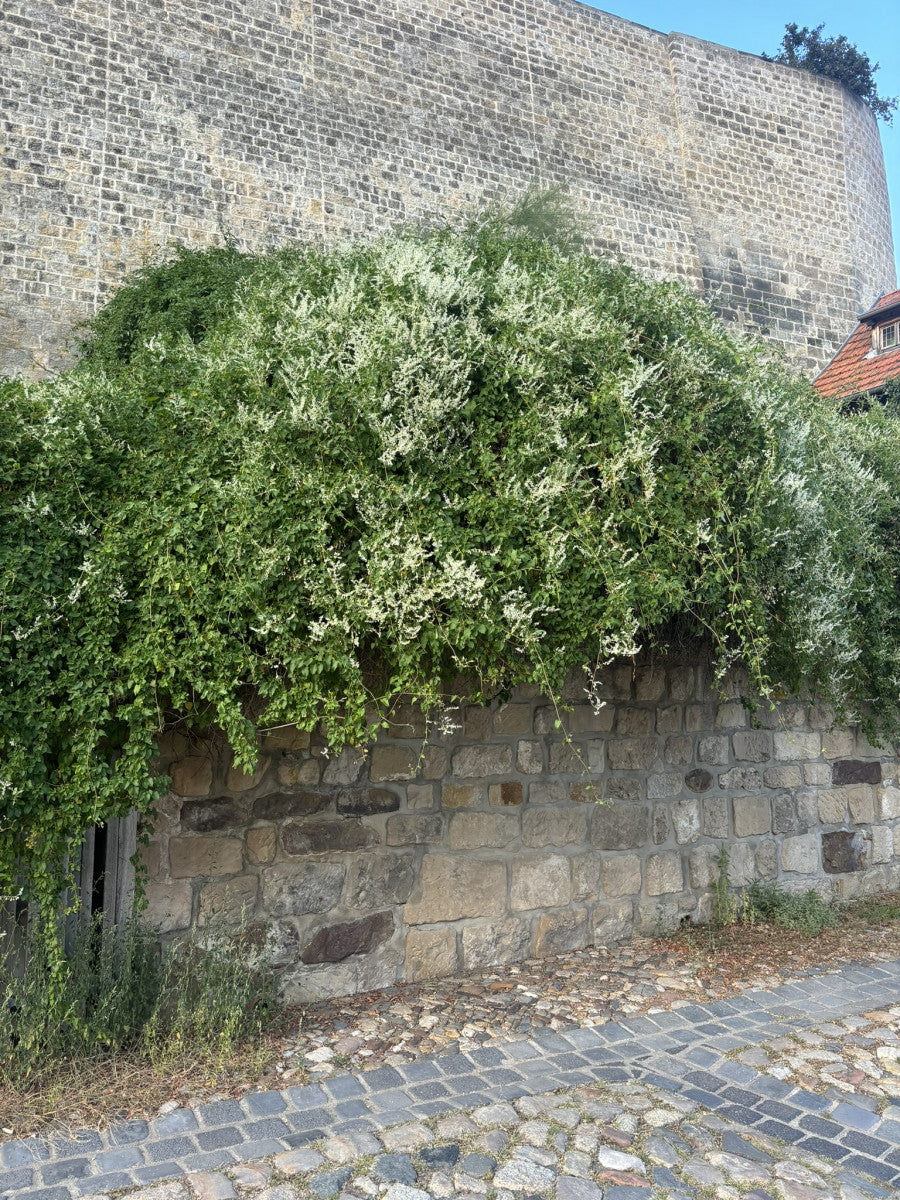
x=806 y=912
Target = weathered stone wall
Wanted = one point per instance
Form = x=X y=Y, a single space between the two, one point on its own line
x=128 y=125
x=513 y=836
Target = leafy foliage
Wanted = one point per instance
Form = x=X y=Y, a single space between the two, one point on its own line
x=287 y=488
x=835 y=58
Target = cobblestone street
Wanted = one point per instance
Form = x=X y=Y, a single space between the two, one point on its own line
x=787 y=1093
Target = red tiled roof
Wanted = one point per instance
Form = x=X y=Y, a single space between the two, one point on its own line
x=850 y=370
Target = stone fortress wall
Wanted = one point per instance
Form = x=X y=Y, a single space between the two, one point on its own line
x=127 y=125
x=512 y=837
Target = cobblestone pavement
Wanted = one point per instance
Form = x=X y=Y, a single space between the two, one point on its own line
x=728 y=1099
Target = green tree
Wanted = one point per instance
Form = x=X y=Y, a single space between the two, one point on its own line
x=835 y=58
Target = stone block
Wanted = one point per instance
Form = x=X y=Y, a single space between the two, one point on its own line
x=800 y=855
x=229 y=900
x=203 y=856
x=505 y=795
x=317 y=837
x=477 y=831
x=596 y=756
x=260 y=843
x=792 y=747
x=888 y=803
x=282 y=943
x=278 y=805
x=837 y=743
x=545 y=720
x=663 y=874
x=238 y=780
x=766 y=860
x=788 y=714
x=530 y=758
x=699 y=717
x=686 y=821
x=192 y=776
x=752 y=745
x=414 y=829
x=434 y=762
x=287 y=737
x=477 y=723
x=698 y=781
x=512 y=718
x=631 y=754
x=661 y=824
x=631 y=722
x=713 y=750
x=298 y=770
x=664 y=786
x=785 y=816
x=668 y=719
x=558 y=933
x=586 y=875
x=650 y=682
x=620 y=875
x=453 y=887
x=820 y=716
x=833 y=806
x=554 y=827
x=460 y=795
x=567 y=758
x=377 y=880
x=817 y=774
x=584 y=718
x=679 y=751
x=731 y=716
x=500 y=942
x=741 y=864
x=703 y=870
x=419 y=796
x=549 y=793
x=849 y=770
x=334 y=943
x=715 y=817
x=366 y=802
x=207 y=816
x=345 y=768
x=308 y=985
x=293 y=889
x=807 y=808
x=625 y=789
x=844 y=851
x=392 y=764
x=539 y=881
x=752 y=815
x=620 y=826
x=168 y=904
x=613 y=922
x=882 y=843
x=740 y=779
x=681 y=683
x=783 y=777
x=861 y=802
x=477 y=762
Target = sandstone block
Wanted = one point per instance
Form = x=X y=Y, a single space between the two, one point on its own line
x=260 y=843
x=800 y=854
x=316 y=837
x=752 y=815
x=766 y=860
x=635 y=722
x=476 y=831
x=190 y=856
x=790 y=747
x=788 y=714
x=882 y=843
x=621 y=875
x=679 y=750
x=460 y=795
x=586 y=875
x=752 y=746
x=620 y=826
x=713 y=750
x=392 y=763
x=663 y=786
x=476 y=762
x=530 y=758
x=414 y=829
x=549 y=793
x=238 y=780
x=282 y=943
x=741 y=864
x=833 y=806
x=292 y=889
x=715 y=817
x=596 y=756
x=585 y=719
x=816 y=774
x=698 y=718
x=456 y=886
x=661 y=823
x=376 y=880
x=782 y=777
x=703 y=870
x=560 y=932
x=545 y=720
x=681 y=683
x=419 y=796
x=287 y=737
x=366 y=802
x=307 y=985
x=192 y=776
x=731 y=716
x=490 y=945
x=820 y=716
x=566 y=758
x=668 y=719
x=888 y=803
x=278 y=805
x=207 y=816
x=505 y=795
x=686 y=820
x=613 y=922
x=622 y=788
x=539 y=881
x=168 y=905
x=837 y=743
x=512 y=718
x=346 y=767
x=746 y=779
x=807 y=809
x=407 y=721
x=477 y=723
x=631 y=754
x=295 y=770
x=650 y=683
x=229 y=900
x=434 y=762
x=554 y=827
x=861 y=801
x=785 y=816
x=334 y=943
x=663 y=874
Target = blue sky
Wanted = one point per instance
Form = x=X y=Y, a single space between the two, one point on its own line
x=760 y=27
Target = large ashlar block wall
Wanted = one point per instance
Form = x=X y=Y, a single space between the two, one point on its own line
x=527 y=831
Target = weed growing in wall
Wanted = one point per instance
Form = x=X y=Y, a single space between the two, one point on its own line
x=286 y=488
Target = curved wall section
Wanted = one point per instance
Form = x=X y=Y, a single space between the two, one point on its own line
x=130 y=125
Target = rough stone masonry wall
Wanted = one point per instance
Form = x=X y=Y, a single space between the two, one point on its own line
x=127 y=124
x=513 y=837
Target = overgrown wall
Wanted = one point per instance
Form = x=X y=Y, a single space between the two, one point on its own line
x=513 y=836
x=128 y=125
